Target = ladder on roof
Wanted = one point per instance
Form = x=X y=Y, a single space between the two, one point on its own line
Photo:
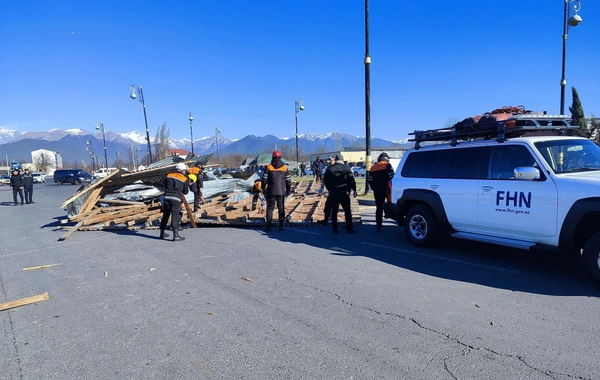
x=511 y=126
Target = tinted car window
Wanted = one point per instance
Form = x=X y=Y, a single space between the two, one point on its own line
x=506 y=158
x=468 y=163
x=421 y=164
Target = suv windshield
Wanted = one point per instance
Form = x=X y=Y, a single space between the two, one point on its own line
x=569 y=156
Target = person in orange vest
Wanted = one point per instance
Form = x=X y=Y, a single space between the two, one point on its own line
x=176 y=185
x=276 y=183
x=379 y=179
x=195 y=174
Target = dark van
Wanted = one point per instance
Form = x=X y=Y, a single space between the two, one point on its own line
x=72 y=176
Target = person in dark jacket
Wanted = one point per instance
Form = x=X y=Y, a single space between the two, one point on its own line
x=197 y=184
x=317 y=168
x=28 y=186
x=276 y=183
x=16 y=184
x=327 y=207
x=339 y=180
x=176 y=185
x=379 y=178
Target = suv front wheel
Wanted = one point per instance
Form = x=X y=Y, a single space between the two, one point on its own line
x=591 y=256
x=420 y=226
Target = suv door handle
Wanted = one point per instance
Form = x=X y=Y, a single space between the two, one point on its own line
x=487 y=188
x=434 y=186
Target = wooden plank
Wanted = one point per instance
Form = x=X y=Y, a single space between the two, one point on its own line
x=91 y=187
x=75 y=227
x=91 y=201
x=40 y=267
x=24 y=301
x=120 y=202
x=190 y=214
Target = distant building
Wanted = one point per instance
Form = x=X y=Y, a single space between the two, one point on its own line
x=356 y=156
x=179 y=152
x=55 y=159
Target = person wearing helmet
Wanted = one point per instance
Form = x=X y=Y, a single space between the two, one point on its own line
x=379 y=178
x=276 y=183
x=197 y=184
x=176 y=185
x=16 y=184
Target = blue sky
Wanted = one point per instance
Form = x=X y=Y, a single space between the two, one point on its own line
x=240 y=64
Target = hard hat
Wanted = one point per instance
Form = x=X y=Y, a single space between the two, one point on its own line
x=180 y=167
x=276 y=154
x=192 y=177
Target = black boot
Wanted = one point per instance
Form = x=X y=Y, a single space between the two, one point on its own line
x=280 y=225
x=268 y=225
x=176 y=236
x=163 y=234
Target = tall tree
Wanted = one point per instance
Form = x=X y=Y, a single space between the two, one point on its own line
x=595 y=129
x=578 y=116
x=43 y=162
x=161 y=142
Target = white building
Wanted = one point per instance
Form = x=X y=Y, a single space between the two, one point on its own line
x=55 y=161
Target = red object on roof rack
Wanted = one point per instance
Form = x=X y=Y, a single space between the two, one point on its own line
x=501 y=124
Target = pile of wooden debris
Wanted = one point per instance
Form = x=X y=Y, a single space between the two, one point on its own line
x=125 y=200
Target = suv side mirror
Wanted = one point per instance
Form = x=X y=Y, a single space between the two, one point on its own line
x=527 y=173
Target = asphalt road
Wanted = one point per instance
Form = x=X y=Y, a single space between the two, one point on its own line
x=233 y=303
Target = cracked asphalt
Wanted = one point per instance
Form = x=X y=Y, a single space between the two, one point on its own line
x=240 y=303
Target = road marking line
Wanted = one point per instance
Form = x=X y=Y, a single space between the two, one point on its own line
x=431 y=256
x=51 y=247
x=303 y=231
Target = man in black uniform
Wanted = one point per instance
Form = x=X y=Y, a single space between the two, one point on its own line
x=327 y=208
x=16 y=184
x=339 y=180
x=28 y=186
x=276 y=183
x=176 y=185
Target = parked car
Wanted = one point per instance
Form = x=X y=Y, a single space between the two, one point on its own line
x=359 y=171
x=103 y=172
x=39 y=177
x=72 y=176
x=5 y=180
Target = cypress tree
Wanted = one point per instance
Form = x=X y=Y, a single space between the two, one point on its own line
x=578 y=116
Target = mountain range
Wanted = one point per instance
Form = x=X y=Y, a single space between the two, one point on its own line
x=71 y=144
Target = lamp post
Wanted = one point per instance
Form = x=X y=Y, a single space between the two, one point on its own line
x=367 y=63
x=568 y=21
x=100 y=127
x=298 y=106
x=191 y=132
x=135 y=88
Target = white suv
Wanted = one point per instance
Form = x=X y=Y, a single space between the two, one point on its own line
x=520 y=192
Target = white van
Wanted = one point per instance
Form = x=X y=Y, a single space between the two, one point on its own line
x=103 y=172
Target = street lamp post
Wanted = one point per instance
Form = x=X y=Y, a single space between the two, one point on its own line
x=217 y=131
x=298 y=106
x=135 y=88
x=367 y=63
x=100 y=127
x=568 y=21
x=191 y=132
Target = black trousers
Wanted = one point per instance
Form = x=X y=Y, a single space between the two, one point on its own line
x=28 y=194
x=271 y=201
x=340 y=199
x=196 y=191
x=16 y=191
x=327 y=208
x=379 y=201
x=171 y=208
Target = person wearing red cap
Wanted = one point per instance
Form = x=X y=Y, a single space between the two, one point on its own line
x=276 y=183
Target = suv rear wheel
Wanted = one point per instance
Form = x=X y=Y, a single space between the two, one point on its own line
x=420 y=226
x=591 y=256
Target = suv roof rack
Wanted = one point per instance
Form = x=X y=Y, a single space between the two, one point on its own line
x=501 y=126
